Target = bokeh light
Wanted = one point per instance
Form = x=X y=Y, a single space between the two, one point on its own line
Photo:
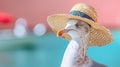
x=20 y=29
x=39 y=29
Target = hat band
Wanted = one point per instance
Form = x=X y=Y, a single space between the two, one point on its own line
x=81 y=14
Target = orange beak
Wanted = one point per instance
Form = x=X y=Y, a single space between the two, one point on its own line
x=60 y=33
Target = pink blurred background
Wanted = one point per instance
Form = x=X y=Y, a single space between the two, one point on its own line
x=36 y=11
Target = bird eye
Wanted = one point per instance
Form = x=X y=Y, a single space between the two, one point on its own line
x=79 y=25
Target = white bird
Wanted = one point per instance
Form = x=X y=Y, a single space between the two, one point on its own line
x=75 y=54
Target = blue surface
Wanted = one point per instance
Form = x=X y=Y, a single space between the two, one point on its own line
x=109 y=54
x=47 y=51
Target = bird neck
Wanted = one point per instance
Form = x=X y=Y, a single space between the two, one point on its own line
x=81 y=58
x=75 y=54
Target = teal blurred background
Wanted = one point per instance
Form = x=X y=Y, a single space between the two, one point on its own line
x=47 y=51
x=26 y=40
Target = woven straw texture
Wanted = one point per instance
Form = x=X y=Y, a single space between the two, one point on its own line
x=99 y=35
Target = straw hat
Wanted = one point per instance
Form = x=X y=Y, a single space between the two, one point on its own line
x=99 y=35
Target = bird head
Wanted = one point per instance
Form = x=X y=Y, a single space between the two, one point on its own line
x=74 y=28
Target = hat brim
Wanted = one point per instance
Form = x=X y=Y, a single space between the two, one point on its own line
x=99 y=35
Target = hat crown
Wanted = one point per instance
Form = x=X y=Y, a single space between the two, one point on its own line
x=87 y=9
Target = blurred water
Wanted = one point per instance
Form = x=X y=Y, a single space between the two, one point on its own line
x=47 y=51
x=109 y=54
